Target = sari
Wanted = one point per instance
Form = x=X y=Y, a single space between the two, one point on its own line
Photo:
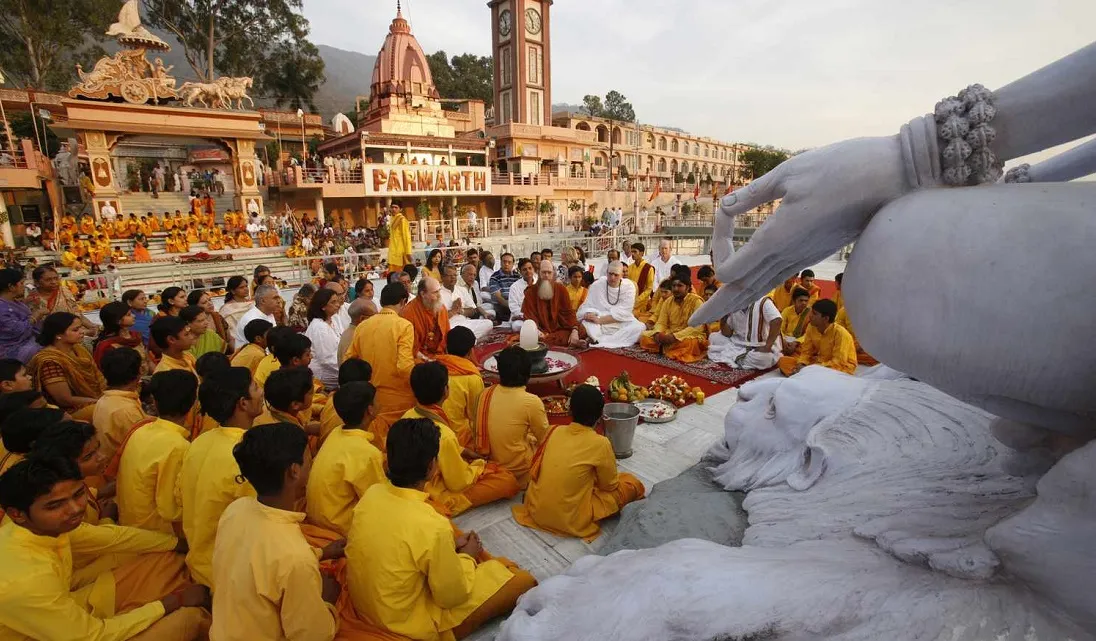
x=221 y=328
x=17 y=332
x=61 y=300
x=209 y=341
x=51 y=365
x=134 y=340
x=298 y=314
x=231 y=313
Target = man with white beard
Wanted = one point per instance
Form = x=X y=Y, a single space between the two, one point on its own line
x=607 y=312
x=517 y=292
x=548 y=305
x=461 y=315
x=749 y=338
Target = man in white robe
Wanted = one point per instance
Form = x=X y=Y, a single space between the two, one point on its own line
x=663 y=262
x=458 y=313
x=607 y=312
x=749 y=338
x=517 y=292
x=470 y=294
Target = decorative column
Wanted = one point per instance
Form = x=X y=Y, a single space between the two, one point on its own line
x=319 y=208
x=102 y=173
x=246 y=196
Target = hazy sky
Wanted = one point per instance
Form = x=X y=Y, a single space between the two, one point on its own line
x=792 y=73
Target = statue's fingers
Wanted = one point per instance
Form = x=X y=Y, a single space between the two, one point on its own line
x=722 y=242
x=763 y=190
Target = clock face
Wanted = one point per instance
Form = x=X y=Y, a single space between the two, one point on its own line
x=506 y=22
x=532 y=21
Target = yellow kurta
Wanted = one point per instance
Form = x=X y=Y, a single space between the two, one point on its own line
x=387 y=342
x=168 y=363
x=36 y=597
x=269 y=578
x=577 y=296
x=673 y=317
x=576 y=486
x=782 y=298
x=404 y=572
x=249 y=357
x=208 y=484
x=790 y=320
x=148 y=476
x=834 y=349
x=862 y=357
x=115 y=413
x=345 y=467
x=516 y=423
x=455 y=474
x=267 y=365
x=460 y=405
x=399 y=242
x=635 y=271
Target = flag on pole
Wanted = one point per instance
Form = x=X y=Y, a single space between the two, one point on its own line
x=656 y=192
x=696 y=192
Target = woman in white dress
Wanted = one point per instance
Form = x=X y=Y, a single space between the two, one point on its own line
x=324 y=336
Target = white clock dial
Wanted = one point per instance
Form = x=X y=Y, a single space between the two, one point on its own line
x=506 y=23
x=532 y=21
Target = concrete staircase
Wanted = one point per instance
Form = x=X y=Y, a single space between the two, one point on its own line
x=141 y=203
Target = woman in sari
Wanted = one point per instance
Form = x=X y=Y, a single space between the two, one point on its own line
x=237 y=302
x=432 y=268
x=140 y=252
x=199 y=323
x=216 y=321
x=18 y=325
x=118 y=331
x=64 y=371
x=298 y=311
x=49 y=296
x=142 y=316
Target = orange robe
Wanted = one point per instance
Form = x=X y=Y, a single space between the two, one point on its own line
x=555 y=317
x=244 y=240
x=154 y=224
x=386 y=342
x=140 y=254
x=430 y=327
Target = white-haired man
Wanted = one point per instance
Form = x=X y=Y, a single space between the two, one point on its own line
x=266 y=303
x=548 y=305
x=663 y=262
x=528 y=273
x=607 y=312
x=463 y=313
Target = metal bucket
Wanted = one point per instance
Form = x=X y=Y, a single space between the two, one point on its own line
x=620 y=427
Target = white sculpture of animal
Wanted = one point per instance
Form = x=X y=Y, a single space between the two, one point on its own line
x=868 y=521
x=210 y=94
x=235 y=89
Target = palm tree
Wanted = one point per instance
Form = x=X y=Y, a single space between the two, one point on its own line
x=296 y=77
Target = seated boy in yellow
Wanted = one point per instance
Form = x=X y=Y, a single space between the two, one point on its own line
x=151 y=456
x=510 y=421
x=672 y=335
x=465 y=382
x=406 y=571
x=463 y=479
x=574 y=479
x=41 y=597
x=252 y=354
x=352 y=370
x=347 y=464
x=268 y=578
x=826 y=343
x=172 y=335
x=795 y=320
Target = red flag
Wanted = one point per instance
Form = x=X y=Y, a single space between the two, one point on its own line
x=656 y=192
x=696 y=192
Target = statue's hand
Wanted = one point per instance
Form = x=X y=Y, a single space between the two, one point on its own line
x=829 y=195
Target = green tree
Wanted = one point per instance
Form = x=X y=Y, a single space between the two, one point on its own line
x=615 y=108
x=464 y=76
x=759 y=161
x=23 y=126
x=256 y=38
x=295 y=76
x=42 y=41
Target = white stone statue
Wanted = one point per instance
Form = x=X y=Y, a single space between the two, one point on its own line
x=878 y=510
x=888 y=509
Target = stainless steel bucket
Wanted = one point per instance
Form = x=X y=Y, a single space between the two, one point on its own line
x=620 y=427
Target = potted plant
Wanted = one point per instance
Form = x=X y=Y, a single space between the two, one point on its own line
x=574 y=206
x=545 y=207
x=422 y=210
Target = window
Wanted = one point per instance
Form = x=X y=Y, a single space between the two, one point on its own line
x=696 y=149
x=662 y=144
x=673 y=146
x=506 y=71
x=707 y=152
x=661 y=165
x=505 y=108
x=534 y=65
x=535 y=108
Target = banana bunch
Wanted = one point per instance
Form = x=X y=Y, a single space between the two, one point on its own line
x=622 y=390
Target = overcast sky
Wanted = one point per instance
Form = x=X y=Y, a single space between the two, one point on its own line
x=791 y=73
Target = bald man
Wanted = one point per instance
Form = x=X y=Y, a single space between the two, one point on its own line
x=341 y=320
x=664 y=261
x=360 y=310
x=547 y=303
x=607 y=313
x=430 y=319
x=461 y=315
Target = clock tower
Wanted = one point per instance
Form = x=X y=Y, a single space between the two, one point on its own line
x=523 y=68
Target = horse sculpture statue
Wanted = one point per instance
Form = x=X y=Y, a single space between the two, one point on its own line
x=218 y=94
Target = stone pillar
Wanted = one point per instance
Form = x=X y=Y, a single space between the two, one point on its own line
x=102 y=173
x=319 y=209
x=246 y=197
x=9 y=238
x=536 y=210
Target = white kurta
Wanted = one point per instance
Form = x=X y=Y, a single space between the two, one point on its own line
x=662 y=268
x=617 y=303
x=250 y=315
x=470 y=299
x=325 y=352
x=479 y=327
x=517 y=297
x=750 y=330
